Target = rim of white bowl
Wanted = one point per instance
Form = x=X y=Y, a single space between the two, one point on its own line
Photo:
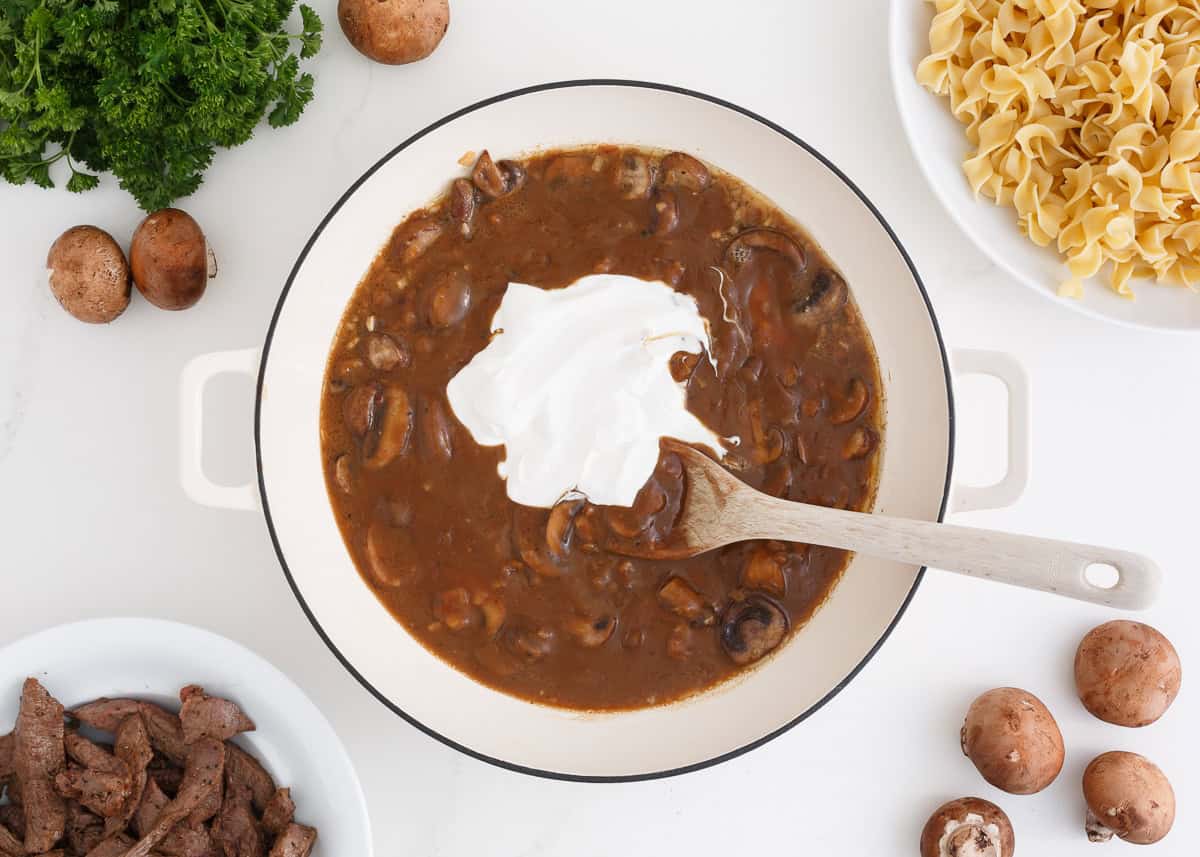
x=262 y=487
x=895 y=62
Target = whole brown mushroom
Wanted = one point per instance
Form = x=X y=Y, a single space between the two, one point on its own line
x=88 y=274
x=1127 y=673
x=968 y=827
x=171 y=259
x=1129 y=796
x=1013 y=740
x=394 y=32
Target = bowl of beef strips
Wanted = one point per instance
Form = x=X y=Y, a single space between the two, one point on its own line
x=515 y=631
x=139 y=736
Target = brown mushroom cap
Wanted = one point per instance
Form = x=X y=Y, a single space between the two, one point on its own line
x=968 y=827
x=394 y=32
x=1126 y=673
x=170 y=259
x=88 y=274
x=1127 y=795
x=1013 y=740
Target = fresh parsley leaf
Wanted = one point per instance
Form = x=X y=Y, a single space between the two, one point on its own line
x=79 y=182
x=39 y=174
x=145 y=89
x=294 y=96
x=310 y=38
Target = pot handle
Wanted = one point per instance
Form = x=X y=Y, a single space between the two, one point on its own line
x=969 y=498
x=196 y=375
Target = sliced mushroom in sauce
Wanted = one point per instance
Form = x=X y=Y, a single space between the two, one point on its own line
x=741 y=248
x=572 y=167
x=361 y=407
x=561 y=525
x=764 y=569
x=685 y=172
x=462 y=206
x=751 y=627
x=634 y=176
x=495 y=180
x=393 y=428
x=825 y=296
x=681 y=599
x=450 y=298
x=389 y=555
x=850 y=402
x=664 y=212
x=419 y=236
x=591 y=633
x=343 y=472
x=385 y=353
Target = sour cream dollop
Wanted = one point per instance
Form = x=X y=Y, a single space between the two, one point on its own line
x=576 y=385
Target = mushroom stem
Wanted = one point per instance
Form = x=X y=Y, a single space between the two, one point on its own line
x=968 y=827
x=1096 y=831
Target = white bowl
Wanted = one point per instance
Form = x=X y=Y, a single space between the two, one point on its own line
x=940 y=144
x=418 y=685
x=152 y=659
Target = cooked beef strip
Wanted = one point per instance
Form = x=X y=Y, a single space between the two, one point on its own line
x=187 y=841
x=202 y=773
x=85 y=830
x=167 y=779
x=209 y=805
x=153 y=802
x=12 y=817
x=202 y=714
x=280 y=812
x=242 y=769
x=166 y=733
x=132 y=747
x=113 y=846
x=102 y=792
x=6 y=762
x=87 y=839
x=120 y=821
x=105 y=714
x=9 y=843
x=132 y=744
x=45 y=815
x=38 y=737
x=92 y=755
x=37 y=758
x=201 y=776
x=218 y=781
x=295 y=841
x=236 y=829
x=6 y=756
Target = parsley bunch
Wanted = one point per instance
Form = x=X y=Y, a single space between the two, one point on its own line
x=146 y=89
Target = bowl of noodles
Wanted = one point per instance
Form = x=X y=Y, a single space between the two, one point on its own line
x=1064 y=138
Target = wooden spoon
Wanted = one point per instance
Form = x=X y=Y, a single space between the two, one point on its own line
x=719 y=510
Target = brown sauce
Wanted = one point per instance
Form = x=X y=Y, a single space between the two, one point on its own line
x=528 y=600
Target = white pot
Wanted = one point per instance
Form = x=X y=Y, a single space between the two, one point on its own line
x=743 y=713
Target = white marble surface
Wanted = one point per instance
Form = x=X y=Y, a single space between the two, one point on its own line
x=93 y=521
